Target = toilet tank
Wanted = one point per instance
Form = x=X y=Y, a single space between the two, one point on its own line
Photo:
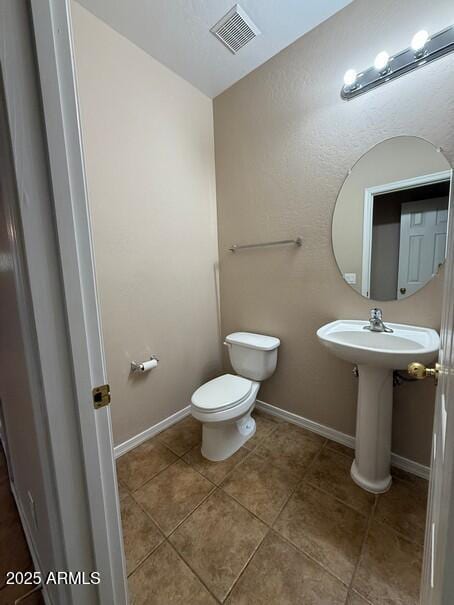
x=253 y=356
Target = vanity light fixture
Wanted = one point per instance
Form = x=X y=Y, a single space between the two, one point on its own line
x=350 y=77
x=423 y=50
x=419 y=41
x=381 y=62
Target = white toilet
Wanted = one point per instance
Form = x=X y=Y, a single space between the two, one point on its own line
x=224 y=405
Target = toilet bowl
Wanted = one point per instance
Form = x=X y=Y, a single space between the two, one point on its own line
x=224 y=405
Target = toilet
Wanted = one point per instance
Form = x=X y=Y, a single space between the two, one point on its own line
x=224 y=405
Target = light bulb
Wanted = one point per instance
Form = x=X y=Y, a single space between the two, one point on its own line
x=381 y=61
x=350 y=77
x=419 y=40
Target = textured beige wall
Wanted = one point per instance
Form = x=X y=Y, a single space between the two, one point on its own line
x=284 y=142
x=148 y=140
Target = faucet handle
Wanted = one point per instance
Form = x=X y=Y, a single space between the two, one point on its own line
x=376 y=313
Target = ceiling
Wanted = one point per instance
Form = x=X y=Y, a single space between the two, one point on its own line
x=177 y=33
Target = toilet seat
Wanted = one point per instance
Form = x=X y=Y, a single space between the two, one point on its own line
x=222 y=393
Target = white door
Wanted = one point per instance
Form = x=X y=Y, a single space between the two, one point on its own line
x=37 y=64
x=423 y=228
x=438 y=577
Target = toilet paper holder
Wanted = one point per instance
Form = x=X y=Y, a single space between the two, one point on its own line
x=138 y=367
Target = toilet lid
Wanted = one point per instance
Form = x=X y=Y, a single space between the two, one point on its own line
x=222 y=393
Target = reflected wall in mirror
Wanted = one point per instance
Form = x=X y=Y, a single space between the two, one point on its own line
x=390 y=220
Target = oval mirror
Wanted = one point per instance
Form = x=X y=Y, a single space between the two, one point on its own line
x=390 y=219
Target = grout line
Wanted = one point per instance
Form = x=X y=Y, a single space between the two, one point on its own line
x=136 y=567
x=247 y=455
x=205 y=498
x=309 y=556
x=334 y=451
x=217 y=488
x=129 y=493
x=193 y=571
x=245 y=566
x=400 y=534
x=304 y=480
x=136 y=489
x=144 y=559
x=301 y=481
x=259 y=442
x=210 y=493
x=269 y=526
x=296 y=486
x=181 y=457
x=150 y=516
x=166 y=540
x=363 y=545
x=347 y=504
x=212 y=490
x=324 y=491
x=355 y=592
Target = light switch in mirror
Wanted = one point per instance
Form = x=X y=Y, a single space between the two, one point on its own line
x=390 y=219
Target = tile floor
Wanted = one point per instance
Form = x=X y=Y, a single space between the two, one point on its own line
x=14 y=553
x=280 y=522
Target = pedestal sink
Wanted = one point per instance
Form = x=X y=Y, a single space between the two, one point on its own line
x=377 y=354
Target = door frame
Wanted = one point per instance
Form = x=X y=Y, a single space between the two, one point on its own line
x=437 y=582
x=51 y=22
x=41 y=100
x=368 y=215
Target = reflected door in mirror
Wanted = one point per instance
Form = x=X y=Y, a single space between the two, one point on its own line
x=390 y=219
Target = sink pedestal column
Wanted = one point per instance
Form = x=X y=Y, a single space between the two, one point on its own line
x=371 y=467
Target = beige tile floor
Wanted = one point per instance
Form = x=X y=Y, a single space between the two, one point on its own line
x=280 y=522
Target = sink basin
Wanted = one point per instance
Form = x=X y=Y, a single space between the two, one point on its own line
x=348 y=340
x=376 y=354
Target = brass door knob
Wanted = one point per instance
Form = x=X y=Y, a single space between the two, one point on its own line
x=419 y=371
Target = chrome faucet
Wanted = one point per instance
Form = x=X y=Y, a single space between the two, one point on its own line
x=376 y=322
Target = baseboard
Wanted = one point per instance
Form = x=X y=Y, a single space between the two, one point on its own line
x=133 y=442
x=398 y=461
x=410 y=466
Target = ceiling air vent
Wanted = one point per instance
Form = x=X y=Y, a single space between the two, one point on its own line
x=235 y=29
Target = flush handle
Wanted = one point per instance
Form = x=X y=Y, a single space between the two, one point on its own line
x=419 y=371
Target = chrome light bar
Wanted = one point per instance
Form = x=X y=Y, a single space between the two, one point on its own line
x=424 y=50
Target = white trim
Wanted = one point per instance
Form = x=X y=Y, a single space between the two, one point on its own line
x=369 y=193
x=415 y=468
x=398 y=461
x=367 y=242
x=437 y=585
x=64 y=539
x=51 y=21
x=320 y=429
x=310 y=425
x=150 y=432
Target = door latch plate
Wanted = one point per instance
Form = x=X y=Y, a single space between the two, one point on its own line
x=101 y=396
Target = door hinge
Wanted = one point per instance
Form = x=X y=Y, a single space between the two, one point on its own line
x=101 y=396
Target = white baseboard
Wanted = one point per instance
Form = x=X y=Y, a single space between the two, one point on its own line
x=410 y=466
x=398 y=461
x=130 y=444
